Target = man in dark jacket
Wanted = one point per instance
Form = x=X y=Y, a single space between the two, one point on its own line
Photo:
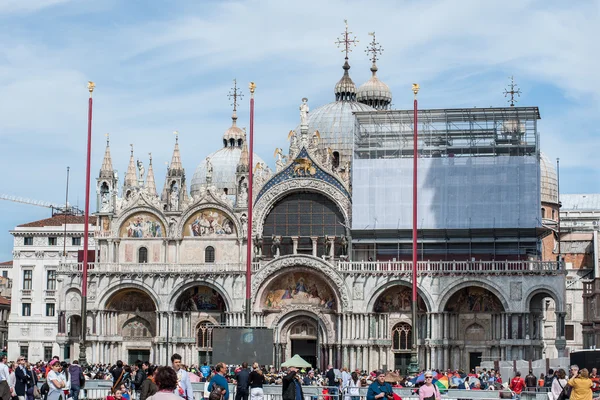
x=140 y=376
x=531 y=381
x=291 y=388
x=75 y=373
x=23 y=378
x=243 y=382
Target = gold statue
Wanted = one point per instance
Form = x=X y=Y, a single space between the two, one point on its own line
x=252 y=87
x=415 y=88
x=91 y=85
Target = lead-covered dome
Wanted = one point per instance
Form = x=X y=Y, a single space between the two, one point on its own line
x=548 y=180
x=374 y=92
x=224 y=163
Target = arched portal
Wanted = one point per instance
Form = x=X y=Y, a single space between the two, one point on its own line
x=135 y=320
x=546 y=323
x=201 y=298
x=474 y=316
x=301 y=333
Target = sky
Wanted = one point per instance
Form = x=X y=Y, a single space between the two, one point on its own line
x=165 y=66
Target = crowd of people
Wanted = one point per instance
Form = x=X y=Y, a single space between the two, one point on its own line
x=56 y=380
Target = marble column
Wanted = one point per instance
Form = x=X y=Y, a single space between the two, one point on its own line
x=314 y=240
x=294 y=244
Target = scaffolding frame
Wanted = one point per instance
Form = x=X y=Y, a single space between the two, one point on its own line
x=455 y=132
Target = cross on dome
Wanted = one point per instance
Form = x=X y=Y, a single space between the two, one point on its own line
x=374 y=48
x=345 y=41
x=512 y=92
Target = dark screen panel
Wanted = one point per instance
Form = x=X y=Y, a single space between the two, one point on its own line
x=236 y=345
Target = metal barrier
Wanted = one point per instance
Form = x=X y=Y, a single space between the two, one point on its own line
x=98 y=390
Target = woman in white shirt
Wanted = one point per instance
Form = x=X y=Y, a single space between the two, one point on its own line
x=56 y=381
x=558 y=383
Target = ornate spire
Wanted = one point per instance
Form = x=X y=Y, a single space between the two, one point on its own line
x=150 y=183
x=130 y=176
x=107 y=169
x=345 y=89
x=236 y=95
x=176 y=159
x=514 y=90
x=374 y=92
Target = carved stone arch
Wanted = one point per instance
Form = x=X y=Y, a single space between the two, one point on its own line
x=380 y=289
x=288 y=313
x=145 y=325
x=228 y=211
x=475 y=332
x=116 y=228
x=181 y=287
x=204 y=319
x=476 y=282
x=104 y=296
x=544 y=289
x=269 y=199
x=72 y=298
x=271 y=271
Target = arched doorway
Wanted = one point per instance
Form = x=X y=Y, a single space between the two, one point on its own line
x=135 y=313
x=474 y=317
x=303 y=339
x=396 y=301
x=546 y=324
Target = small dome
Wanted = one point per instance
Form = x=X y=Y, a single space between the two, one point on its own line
x=345 y=89
x=548 y=180
x=374 y=92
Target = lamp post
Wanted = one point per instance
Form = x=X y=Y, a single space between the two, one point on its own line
x=86 y=219
x=414 y=355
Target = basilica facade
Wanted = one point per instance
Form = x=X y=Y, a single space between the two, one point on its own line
x=171 y=266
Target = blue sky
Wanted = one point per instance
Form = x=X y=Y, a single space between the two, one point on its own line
x=165 y=66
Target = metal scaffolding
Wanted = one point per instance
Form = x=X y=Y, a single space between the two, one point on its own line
x=455 y=132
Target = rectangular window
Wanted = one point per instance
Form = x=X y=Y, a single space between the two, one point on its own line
x=570 y=332
x=51 y=280
x=5 y=274
x=76 y=241
x=51 y=241
x=26 y=309
x=47 y=352
x=27 y=279
x=50 y=309
x=25 y=351
x=28 y=241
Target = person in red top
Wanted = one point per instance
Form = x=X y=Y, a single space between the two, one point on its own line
x=517 y=384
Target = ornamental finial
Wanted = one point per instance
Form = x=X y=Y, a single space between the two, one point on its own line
x=345 y=41
x=512 y=92
x=374 y=48
x=91 y=85
x=415 y=89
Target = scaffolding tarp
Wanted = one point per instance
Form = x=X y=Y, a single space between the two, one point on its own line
x=454 y=193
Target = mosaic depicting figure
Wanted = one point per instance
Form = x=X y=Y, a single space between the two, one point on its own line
x=474 y=299
x=397 y=299
x=299 y=288
x=142 y=225
x=201 y=298
x=209 y=222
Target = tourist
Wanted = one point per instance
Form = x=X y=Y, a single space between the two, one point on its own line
x=242 y=377
x=257 y=380
x=332 y=382
x=558 y=384
x=517 y=384
x=115 y=396
x=582 y=386
x=56 y=381
x=24 y=378
x=380 y=389
x=353 y=388
x=573 y=371
x=549 y=378
x=531 y=381
x=205 y=370
x=206 y=392
x=148 y=387
x=219 y=380
x=184 y=386
x=125 y=392
x=291 y=388
x=32 y=391
x=77 y=379
x=139 y=376
x=166 y=380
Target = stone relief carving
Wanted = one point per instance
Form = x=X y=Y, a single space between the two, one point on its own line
x=516 y=291
x=300 y=261
x=358 y=291
x=312 y=309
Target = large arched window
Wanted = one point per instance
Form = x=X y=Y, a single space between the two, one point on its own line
x=142 y=255
x=402 y=337
x=209 y=254
x=205 y=331
x=304 y=215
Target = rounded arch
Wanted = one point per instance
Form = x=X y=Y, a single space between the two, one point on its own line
x=541 y=292
x=277 y=192
x=137 y=327
x=130 y=300
x=72 y=298
x=402 y=336
x=379 y=290
x=181 y=288
x=474 y=299
x=151 y=220
x=102 y=299
x=473 y=282
x=272 y=270
x=291 y=315
x=192 y=211
x=475 y=332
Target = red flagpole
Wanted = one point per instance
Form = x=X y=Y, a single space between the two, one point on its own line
x=86 y=219
x=249 y=230
x=415 y=355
